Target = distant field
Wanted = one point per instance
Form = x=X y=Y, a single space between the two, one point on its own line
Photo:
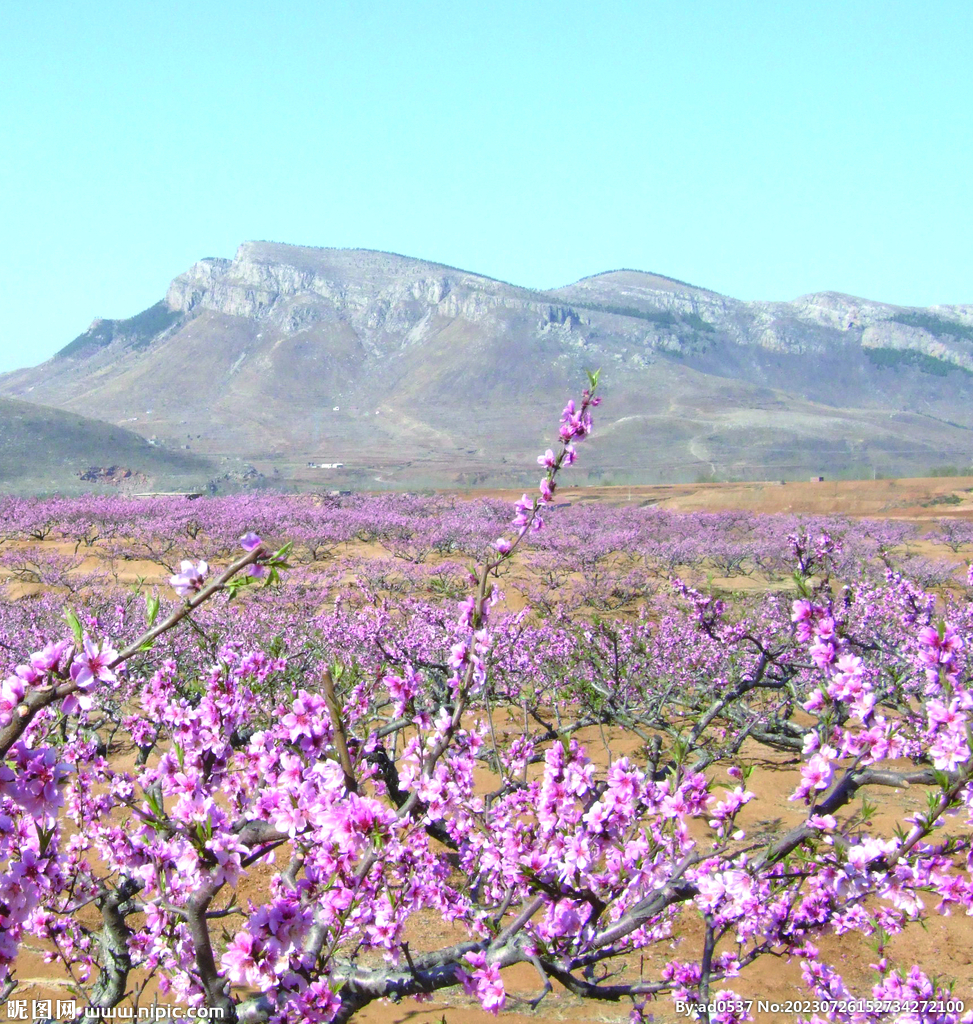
x=907 y=498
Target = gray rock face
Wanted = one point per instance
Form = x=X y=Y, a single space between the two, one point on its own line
x=388 y=360
x=390 y=300
x=387 y=300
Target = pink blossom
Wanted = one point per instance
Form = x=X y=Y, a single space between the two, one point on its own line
x=11 y=694
x=91 y=666
x=484 y=982
x=190 y=578
x=48 y=659
x=816 y=774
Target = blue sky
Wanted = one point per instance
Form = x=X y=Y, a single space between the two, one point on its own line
x=763 y=149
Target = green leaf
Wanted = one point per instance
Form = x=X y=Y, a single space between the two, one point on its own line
x=273 y=576
x=234 y=586
x=151 y=609
x=45 y=835
x=72 y=621
x=868 y=809
x=154 y=803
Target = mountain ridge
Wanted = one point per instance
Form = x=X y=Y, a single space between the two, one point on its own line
x=408 y=369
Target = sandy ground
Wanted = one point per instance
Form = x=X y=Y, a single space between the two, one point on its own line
x=919 y=499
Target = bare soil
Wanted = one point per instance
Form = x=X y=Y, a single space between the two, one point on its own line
x=920 y=498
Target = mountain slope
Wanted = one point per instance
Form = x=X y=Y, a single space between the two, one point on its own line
x=44 y=449
x=415 y=372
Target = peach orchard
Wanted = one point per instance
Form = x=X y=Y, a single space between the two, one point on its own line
x=324 y=719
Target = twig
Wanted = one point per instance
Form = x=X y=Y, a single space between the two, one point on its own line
x=340 y=736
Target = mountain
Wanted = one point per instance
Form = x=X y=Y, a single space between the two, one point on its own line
x=44 y=450
x=415 y=373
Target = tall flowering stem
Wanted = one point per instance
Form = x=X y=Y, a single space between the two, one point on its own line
x=576 y=425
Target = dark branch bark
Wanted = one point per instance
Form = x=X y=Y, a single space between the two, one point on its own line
x=116 y=963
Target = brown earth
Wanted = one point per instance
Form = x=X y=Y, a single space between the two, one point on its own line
x=919 y=498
